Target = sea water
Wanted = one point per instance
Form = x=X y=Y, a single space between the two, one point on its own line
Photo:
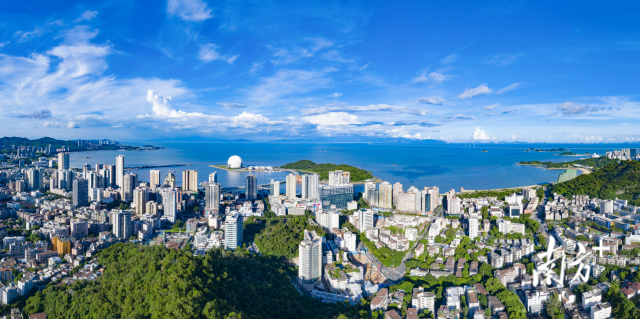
x=448 y=166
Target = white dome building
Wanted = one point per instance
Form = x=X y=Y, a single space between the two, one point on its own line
x=234 y=161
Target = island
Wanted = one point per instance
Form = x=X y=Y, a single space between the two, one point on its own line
x=573 y=154
x=546 y=150
x=592 y=163
x=357 y=174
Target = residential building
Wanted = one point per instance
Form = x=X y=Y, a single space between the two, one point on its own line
x=591 y=298
x=310 y=186
x=190 y=180
x=423 y=300
x=154 y=178
x=169 y=204
x=121 y=221
x=601 y=311
x=338 y=178
x=310 y=259
x=212 y=197
x=120 y=170
x=365 y=219
x=140 y=197
x=80 y=192
x=474 y=224
x=251 y=187
x=129 y=183
x=233 y=231
x=385 y=196
x=63 y=161
x=350 y=241
x=291 y=185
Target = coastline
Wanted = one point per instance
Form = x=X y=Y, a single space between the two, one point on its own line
x=581 y=169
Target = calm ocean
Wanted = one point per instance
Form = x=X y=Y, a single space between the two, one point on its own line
x=446 y=166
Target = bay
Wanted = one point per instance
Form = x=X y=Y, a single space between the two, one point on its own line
x=448 y=166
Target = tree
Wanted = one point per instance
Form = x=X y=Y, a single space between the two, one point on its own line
x=582 y=237
x=554 y=307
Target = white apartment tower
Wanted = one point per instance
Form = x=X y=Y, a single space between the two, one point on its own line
x=338 y=178
x=233 y=231
x=169 y=204
x=310 y=258
x=606 y=207
x=474 y=223
x=365 y=219
x=63 y=161
x=291 y=186
x=140 y=198
x=430 y=199
x=120 y=170
x=350 y=241
x=213 y=177
x=212 y=197
x=129 y=183
x=154 y=178
x=310 y=185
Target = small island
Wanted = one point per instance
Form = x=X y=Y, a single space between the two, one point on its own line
x=546 y=150
x=573 y=154
x=593 y=163
x=484 y=151
x=357 y=174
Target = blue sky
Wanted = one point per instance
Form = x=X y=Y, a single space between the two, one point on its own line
x=266 y=70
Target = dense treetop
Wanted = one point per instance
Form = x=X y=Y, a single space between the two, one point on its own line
x=616 y=180
x=281 y=237
x=157 y=282
x=357 y=174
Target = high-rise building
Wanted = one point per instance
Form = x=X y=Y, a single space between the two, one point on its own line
x=36 y=178
x=213 y=177
x=337 y=178
x=151 y=208
x=328 y=219
x=474 y=224
x=251 y=187
x=310 y=258
x=365 y=195
x=140 y=198
x=310 y=186
x=385 y=195
x=121 y=221
x=274 y=188
x=170 y=204
x=373 y=196
x=190 y=180
x=350 y=241
x=606 y=207
x=291 y=185
x=453 y=203
x=154 y=178
x=65 y=179
x=212 y=197
x=63 y=161
x=170 y=180
x=365 y=219
x=111 y=174
x=338 y=196
x=130 y=182
x=80 y=192
x=430 y=198
x=233 y=231
x=120 y=170
x=397 y=189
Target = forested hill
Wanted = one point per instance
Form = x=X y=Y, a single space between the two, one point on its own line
x=40 y=142
x=157 y=282
x=281 y=238
x=621 y=180
x=357 y=174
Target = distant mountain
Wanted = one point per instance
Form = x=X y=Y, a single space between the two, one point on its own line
x=40 y=142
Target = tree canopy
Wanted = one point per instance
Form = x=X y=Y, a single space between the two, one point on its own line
x=281 y=238
x=357 y=174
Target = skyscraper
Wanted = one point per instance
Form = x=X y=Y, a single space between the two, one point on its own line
x=212 y=197
x=310 y=186
x=430 y=198
x=291 y=186
x=120 y=170
x=80 y=192
x=385 y=195
x=169 y=203
x=36 y=178
x=337 y=178
x=65 y=179
x=112 y=174
x=154 y=178
x=251 y=188
x=140 y=198
x=233 y=231
x=170 y=180
x=190 y=180
x=121 y=221
x=63 y=161
x=274 y=188
x=213 y=177
x=130 y=182
x=397 y=189
x=474 y=223
x=310 y=258
x=365 y=194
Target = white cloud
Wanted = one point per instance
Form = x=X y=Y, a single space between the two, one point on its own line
x=432 y=78
x=591 y=138
x=479 y=134
x=72 y=125
x=433 y=100
x=572 y=109
x=450 y=58
x=208 y=52
x=400 y=132
x=513 y=137
x=504 y=59
x=230 y=106
x=337 y=95
x=50 y=125
x=288 y=82
x=189 y=10
x=469 y=93
x=285 y=56
x=508 y=88
x=364 y=66
x=2 y=44
x=333 y=55
x=366 y=109
x=492 y=106
x=87 y=15
x=256 y=66
x=28 y=35
x=331 y=119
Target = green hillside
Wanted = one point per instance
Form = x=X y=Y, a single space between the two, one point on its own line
x=621 y=180
x=357 y=174
x=40 y=142
x=157 y=282
x=596 y=163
